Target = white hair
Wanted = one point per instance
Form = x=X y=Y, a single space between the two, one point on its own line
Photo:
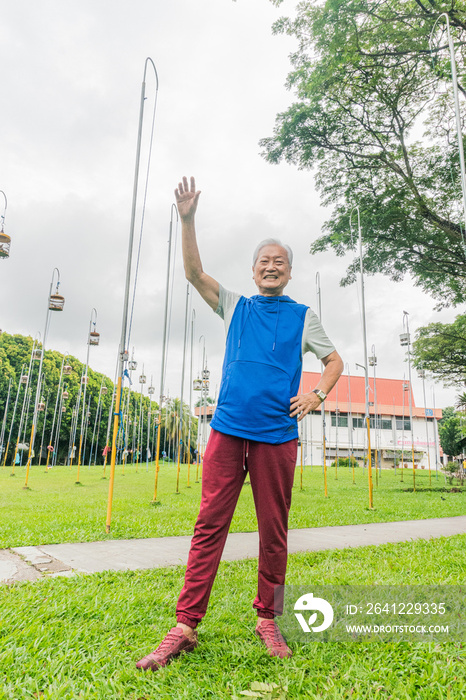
x=272 y=241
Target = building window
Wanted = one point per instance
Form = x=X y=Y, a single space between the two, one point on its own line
x=400 y=426
x=380 y=423
x=342 y=420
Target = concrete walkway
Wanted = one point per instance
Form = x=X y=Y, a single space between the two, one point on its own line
x=31 y=563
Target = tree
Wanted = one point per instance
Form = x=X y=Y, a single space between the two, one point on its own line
x=450 y=435
x=208 y=400
x=440 y=348
x=375 y=118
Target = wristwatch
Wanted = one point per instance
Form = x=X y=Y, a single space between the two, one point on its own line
x=321 y=394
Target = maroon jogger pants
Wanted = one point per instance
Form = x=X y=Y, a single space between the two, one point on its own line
x=271 y=471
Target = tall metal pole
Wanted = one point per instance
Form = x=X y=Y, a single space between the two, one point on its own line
x=4 y=418
x=173 y=211
x=13 y=417
x=193 y=319
x=86 y=379
x=350 y=421
x=437 y=451
x=123 y=354
x=43 y=428
x=422 y=374
x=366 y=370
x=406 y=340
x=373 y=363
x=26 y=390
x=180 y=436
x=322 y=406
x=55 y=411
x=50 y=307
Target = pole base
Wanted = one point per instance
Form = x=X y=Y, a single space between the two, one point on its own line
x=26 y=488
x=155 y=503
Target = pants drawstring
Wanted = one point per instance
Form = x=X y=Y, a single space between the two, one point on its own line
x=245 y=454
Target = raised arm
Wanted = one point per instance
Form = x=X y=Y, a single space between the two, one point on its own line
x=186 y=201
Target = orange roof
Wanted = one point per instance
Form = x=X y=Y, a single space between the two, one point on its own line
x=389 y=395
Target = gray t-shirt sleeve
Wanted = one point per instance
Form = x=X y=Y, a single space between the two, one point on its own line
x=226 y=305
x=314 y=337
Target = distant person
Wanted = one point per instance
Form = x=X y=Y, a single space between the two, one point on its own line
x=254 y=429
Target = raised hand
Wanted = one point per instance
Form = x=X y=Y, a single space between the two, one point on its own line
x=187 y=199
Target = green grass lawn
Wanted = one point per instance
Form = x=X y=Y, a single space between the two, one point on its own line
x=56 y=509
x=62 y=639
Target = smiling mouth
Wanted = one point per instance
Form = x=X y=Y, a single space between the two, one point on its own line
x=271 y=277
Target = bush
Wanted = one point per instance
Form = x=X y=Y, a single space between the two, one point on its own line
x=453 y=469
x=347 y=462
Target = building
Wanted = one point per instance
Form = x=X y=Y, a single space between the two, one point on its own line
x=392 y=436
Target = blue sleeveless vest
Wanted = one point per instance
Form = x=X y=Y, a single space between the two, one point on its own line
x=261 y=370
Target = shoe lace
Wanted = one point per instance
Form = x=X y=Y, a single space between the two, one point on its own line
x=169 y=641
x=272 y=633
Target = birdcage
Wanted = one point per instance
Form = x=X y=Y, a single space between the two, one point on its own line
x=65 y=396
x=94 y=338
x=85 y=380
x=404 y=339
x=104 y=390
x=151 y=390
x=142 y=379
x=5 y=242
x=24 y=378
x=56 y=302
x=132 y=365
x=41 y=406
x=197 y=384
x=67 y=369
x=205 y=374
x=37 y=354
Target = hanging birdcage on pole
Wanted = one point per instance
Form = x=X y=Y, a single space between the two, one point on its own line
x=5 y=240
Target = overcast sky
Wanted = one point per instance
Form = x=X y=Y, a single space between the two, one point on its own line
x=70 y=94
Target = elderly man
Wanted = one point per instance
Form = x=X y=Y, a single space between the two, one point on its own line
x=254 y=429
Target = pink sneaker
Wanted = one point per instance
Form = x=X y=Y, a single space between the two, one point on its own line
x=172 y=645
x=273 y=639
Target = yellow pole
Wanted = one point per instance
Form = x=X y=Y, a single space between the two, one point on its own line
x=29 y=457
x=116 y=418
x=47 y=462
x=14 y=456
x=157 y=456
x=6 y=452
x=178 y=468
x=301 y=465
x=368 y=423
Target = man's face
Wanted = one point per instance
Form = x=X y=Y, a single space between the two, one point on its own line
x=272 y=272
